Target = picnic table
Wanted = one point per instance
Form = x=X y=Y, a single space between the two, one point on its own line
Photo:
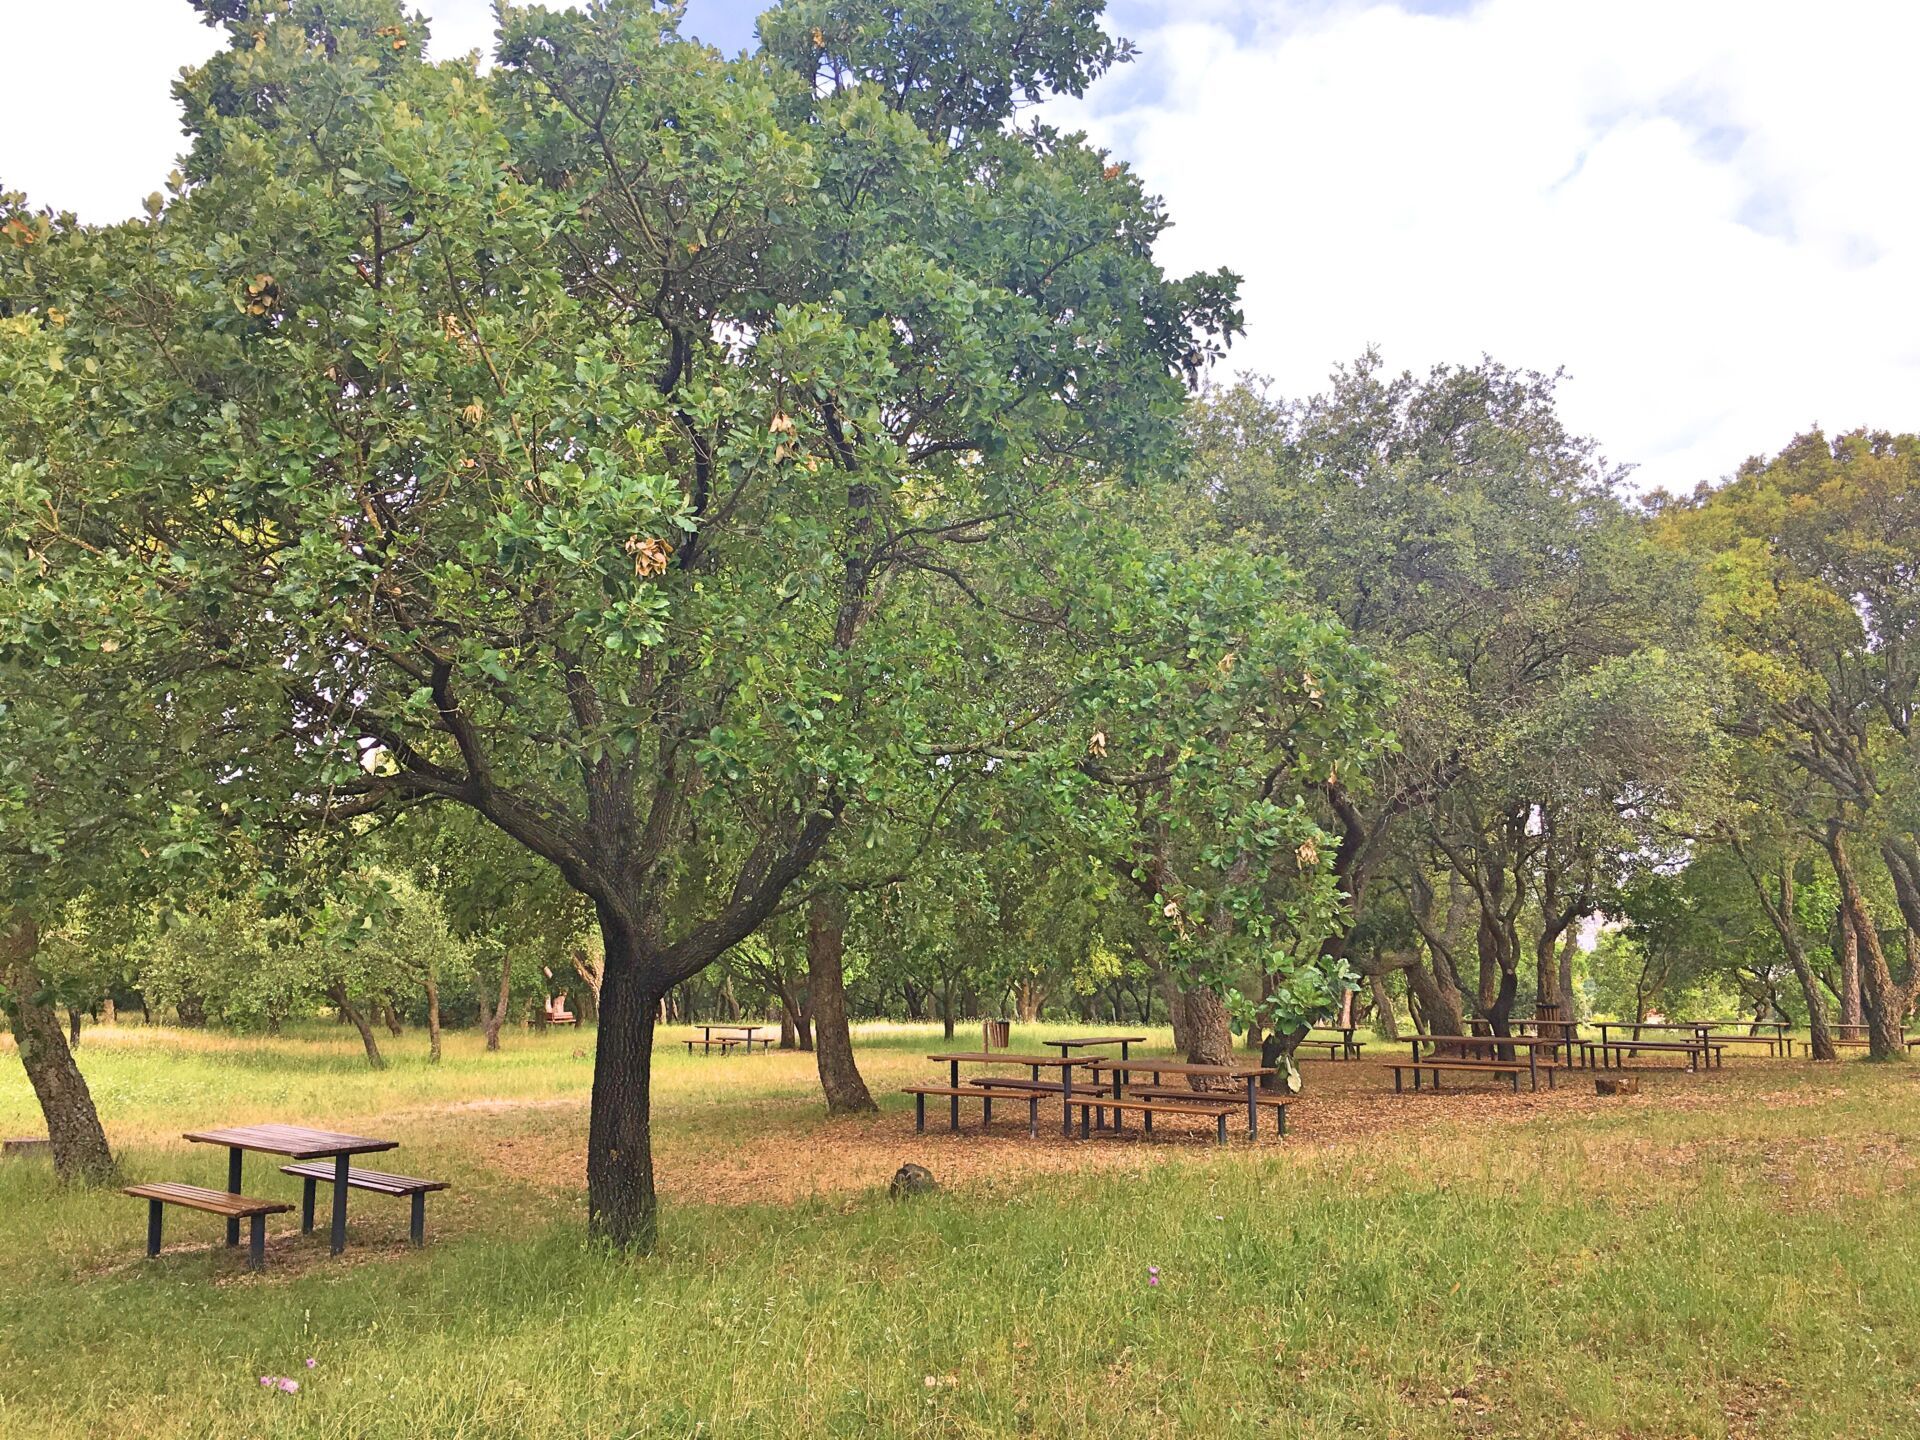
x=1065 y=1064
x=294 y=1142
x=1123 y=1041
x=1482 y=1044
x=1345 y=1048
x=733 y=1035
x=1249 y=1073
x=1701 y=1046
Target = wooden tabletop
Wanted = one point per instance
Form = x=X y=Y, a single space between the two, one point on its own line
x=294 y=1141
x=1003 y=1057
x=1102 y=1040
x=1175 y=1067
x=1534 y=1040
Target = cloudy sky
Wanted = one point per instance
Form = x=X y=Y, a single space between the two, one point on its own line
x=1703 y=209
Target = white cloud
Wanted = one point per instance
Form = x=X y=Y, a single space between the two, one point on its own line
x=1702 y=208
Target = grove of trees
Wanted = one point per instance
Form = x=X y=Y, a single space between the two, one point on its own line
x=710 y=534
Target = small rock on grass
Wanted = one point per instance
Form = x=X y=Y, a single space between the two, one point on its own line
x=1616 y=1085
x=912 y=1180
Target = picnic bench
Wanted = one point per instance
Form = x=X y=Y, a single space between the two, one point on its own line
x=292 y=1142
x=1030 y=1095
x=1613 y=1053
x=378 y=1182
x=1481 y=1054
x=1065 y=1064
x=730 y=1036
x=1344 y=1048
x=556 y=1012
x=1236 y=1074
x=234 y=1208
x=1196 y=1104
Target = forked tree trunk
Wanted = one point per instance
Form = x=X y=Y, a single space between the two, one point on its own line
x=622 y=1207
x=499 y=1015
x=1781 y=914
x=359 y=1022
x=840 y=1078
x=79 y=1144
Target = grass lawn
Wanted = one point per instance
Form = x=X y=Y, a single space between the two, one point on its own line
x=1724 y=1255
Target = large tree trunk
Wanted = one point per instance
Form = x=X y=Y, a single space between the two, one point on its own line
x=338 y=994
x=1209 y=1031
x=1176 y=1002
x=622 y=1207
x=840 y=1078
x=498 y=1018
x=1885 y=1003
x=946 y=1009
x=433 y=1014
x=73 y=1125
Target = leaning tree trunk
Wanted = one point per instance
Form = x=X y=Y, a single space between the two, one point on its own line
x=73 y=1125
x=1885 y=1003
x=622 y=1207
x=1781 y=914
x=499 y=1016
x=338 y=994
x=840 y=1078
x=1176 y=1009
x=433 y=1014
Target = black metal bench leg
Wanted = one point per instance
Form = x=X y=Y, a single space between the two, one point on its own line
x=307 y=1187
x=340 y=1167
x=256 y=1242
x=1220 y=1132
x=920 y=1113
x=233 y=1188
x=154 y=1211
x=417 y=1225
x=1086 y=1125
x=1146 y=1122
x=986 y=1111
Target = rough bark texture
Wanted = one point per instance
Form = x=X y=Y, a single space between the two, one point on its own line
x=622 y=1207
x=359 y=1021
x=1885 y=1002
x=73 y=1125
x=1176 y=1003
x=1209 y=1033
x=840 y=1078
x=1384 y=1019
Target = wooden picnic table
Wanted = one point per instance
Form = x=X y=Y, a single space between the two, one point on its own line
x=1065 y=1064
x=1349 y=1047
x=1123 y=1041
x=1701 y=1030
x=295 y=1142
x=1532 y=1044
x=1250 y=1073
x=737 y=1035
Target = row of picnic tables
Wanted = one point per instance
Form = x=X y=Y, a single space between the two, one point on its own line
x=1703 y=1042
x=1097 y=1084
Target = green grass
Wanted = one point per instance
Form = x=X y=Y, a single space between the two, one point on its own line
x=1666 y=1268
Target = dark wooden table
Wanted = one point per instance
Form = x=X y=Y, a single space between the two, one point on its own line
x=1123 y=1041
x=1489 y=1046
x=1250 y=1073
x=1065 y=1064
x=295 y=1142
x=739 y=1033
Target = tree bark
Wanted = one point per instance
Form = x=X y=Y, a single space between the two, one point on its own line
x=1176 y=1009
x=1209 y=1031
x=1781 y=914
x=840 y=1078
x=338 y=994
x=622 y=1207
x=433 y=1014
x=1885 y=1003
x=1384 y=1019
x=79 y=1144
x=499 y=1016
x=1851 y=1012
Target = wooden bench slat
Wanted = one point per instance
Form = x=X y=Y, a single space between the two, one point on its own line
x=378 y=1181
x=1159 y=1107
x=1169 y=1092
x=214 y=1202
